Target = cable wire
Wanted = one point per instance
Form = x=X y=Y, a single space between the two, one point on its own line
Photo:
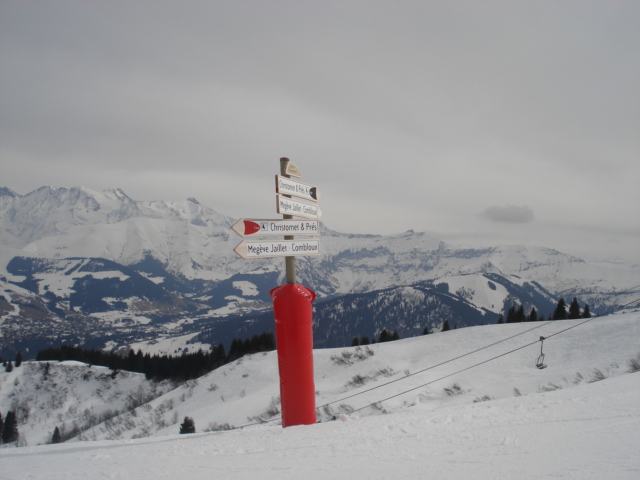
x=432 y=367
x=403 y=378
x=440 y=364
x=472 y=366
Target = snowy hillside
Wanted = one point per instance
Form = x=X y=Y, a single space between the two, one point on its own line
x=71 y=396
x=466 y=403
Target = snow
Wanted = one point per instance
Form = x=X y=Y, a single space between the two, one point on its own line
x=474 y=286
x=116 y=317
x=62 y=285
x=170 y=346
x=195 y=241
x=247 y=288
x=555 y=425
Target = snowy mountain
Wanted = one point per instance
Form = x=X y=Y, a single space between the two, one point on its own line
x=467 y=403
x=187 y=238
x=99 y=268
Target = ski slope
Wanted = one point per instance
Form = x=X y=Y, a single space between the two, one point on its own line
x=504 y=419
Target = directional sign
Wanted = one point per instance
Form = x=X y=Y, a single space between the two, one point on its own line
x=287 y=186
x=292 y=170
x=278 y=248
x=256 y=228
x=288 y=206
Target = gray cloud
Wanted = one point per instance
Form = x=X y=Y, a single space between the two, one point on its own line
x=508 y=214
x=403 y=112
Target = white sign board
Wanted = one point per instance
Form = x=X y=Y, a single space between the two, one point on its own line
x=288 y=206
x=287 y=186
x=256 y=228
x=278 y=248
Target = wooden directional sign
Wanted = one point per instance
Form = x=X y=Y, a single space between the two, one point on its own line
x=287 y=186
x=292 y=170
x=256 y=228
x=278 y=248
x=288 y=206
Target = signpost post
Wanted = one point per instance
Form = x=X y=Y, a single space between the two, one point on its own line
x=289 y=262
x=291 y=302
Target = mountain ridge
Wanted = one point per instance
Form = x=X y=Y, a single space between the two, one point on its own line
x=183 y=251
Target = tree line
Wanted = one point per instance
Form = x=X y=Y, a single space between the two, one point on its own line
x=163 y=367
x=517 y=314
x=385 y=336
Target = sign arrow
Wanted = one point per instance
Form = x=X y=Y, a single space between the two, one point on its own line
x=278 y=248
x=256 y=228
x=287 y=186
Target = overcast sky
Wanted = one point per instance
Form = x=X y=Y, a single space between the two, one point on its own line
x=483 y=122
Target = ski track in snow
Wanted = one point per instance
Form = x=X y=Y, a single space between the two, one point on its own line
x=579 y=431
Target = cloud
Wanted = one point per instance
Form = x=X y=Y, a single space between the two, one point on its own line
x=508 y=214
x=407 y=112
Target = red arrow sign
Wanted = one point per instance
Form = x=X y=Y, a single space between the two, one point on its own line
x=253 y=227
x=250 y=227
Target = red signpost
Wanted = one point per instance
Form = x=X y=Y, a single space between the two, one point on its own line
x=291 y=302
x=294 y=337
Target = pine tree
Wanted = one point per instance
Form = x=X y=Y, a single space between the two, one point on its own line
x=533 y=315
x=56 y=437
x=355 y=342
x=560 y=313
x=384 y=336
x=574 y=309
x=365 y=340
x=188 y=426
x=500 y=319
x=1 y=427
x=586 y=313
x=426 y=330
x=10 y=430
x=9 y=367
x=446 y=326
x=18 y=359
x=395 y=335
x=520 y=316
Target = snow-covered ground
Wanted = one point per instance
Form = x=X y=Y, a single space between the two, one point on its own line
x=578 y=418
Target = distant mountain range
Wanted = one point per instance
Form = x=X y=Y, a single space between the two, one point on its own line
x=102 y=270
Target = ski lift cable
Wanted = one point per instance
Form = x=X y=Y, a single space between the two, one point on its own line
x=445 y=376
x=541 y=339
x=470 y=353
x=433 y=366
x=472 y=366
x=620 y=307
x=405 y=377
